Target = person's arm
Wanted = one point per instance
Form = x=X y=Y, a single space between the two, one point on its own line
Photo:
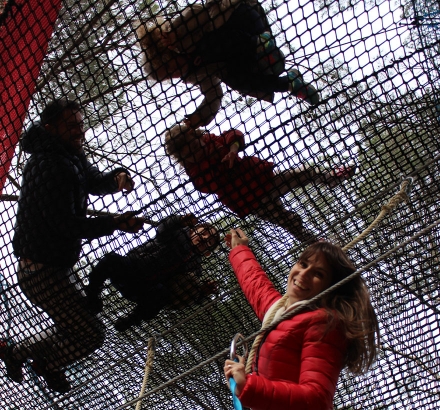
x=322 y=359
x=234 y=139
x=54 y=195
x=220 y=11
x=103 y=183
x=211 y=89
x=256 y=286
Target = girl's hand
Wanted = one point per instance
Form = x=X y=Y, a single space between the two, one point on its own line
x=230 y=157
x=235 y=238
x=237 y=371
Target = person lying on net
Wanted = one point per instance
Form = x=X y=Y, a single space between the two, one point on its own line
x=297 y=364
x=145 y=275
x=51 y=223
x=222 y=41
x=246 y=185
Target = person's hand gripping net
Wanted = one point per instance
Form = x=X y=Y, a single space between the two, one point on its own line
x=236 y=237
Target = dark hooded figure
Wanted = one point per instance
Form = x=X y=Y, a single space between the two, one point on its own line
x=51 y=222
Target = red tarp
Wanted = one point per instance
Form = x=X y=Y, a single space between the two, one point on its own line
x=25 y=29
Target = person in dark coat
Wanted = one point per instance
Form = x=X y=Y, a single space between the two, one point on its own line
x=227 y=41
x=51 y=223
x=145 y=274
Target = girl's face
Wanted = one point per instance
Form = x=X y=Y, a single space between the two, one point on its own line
x=193 y=147
x=308 y=278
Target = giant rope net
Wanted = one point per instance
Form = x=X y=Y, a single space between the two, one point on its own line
x=375 y=64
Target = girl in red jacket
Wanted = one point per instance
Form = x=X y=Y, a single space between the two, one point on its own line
x=247 y=185
x=297 y=365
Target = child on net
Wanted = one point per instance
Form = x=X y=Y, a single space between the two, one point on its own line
x=246 y=185
x=227 y=40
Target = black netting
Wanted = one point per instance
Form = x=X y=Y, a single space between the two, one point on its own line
x=358 y=90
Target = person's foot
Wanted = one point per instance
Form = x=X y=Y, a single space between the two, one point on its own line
x=301 y=89
x=94 y=304
x=270 y=59
x=56 y=379
x=126 y=322
x=338 y=175
x=14 y=366
x=93 y=301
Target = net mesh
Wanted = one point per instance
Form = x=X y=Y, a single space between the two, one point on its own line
x=375 y=65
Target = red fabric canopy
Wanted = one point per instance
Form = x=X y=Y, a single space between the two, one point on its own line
x=25 y=29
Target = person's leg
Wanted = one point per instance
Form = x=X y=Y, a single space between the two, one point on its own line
x=112 y=266
x=76 y=332
x=274 y=212
x=292 y=178
x=148 y=306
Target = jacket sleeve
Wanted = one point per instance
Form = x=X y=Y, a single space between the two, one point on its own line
x=102 y=183
x=211 y=89
x=256 y=286
x=322 y=359
x=54 y=194
x=232 y=136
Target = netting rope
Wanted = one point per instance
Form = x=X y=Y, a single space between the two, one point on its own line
x=224 y=352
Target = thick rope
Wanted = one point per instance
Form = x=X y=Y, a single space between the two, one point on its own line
x=401 y=196
x=148 y=366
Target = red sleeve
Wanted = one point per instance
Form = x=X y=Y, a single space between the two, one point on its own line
x=256 y=286
x=322 y=359
x=232 y=136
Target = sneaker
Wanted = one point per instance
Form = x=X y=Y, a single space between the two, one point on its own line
x=271 y=60
x=302 y=90
x=14 y=367
x=338 y=175
x=56 y=379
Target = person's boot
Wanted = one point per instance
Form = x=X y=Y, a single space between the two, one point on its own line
x=14 y=367
x=301 y=89
x=56 y=379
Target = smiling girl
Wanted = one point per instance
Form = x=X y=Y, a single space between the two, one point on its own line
x=298 y=363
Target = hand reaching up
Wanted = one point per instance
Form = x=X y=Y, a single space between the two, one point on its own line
x=235 y=238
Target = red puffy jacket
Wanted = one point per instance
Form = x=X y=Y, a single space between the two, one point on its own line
x=241 y=187
x=299 y=362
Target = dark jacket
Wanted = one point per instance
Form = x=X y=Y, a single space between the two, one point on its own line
x=170 y=253
x=51 y=216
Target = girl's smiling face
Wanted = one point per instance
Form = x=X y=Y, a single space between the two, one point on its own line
x=308 y=278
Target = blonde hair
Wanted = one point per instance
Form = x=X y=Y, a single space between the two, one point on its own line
x=176 y=138
x=154 y=56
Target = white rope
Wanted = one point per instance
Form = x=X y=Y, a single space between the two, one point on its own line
x=148 y=366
